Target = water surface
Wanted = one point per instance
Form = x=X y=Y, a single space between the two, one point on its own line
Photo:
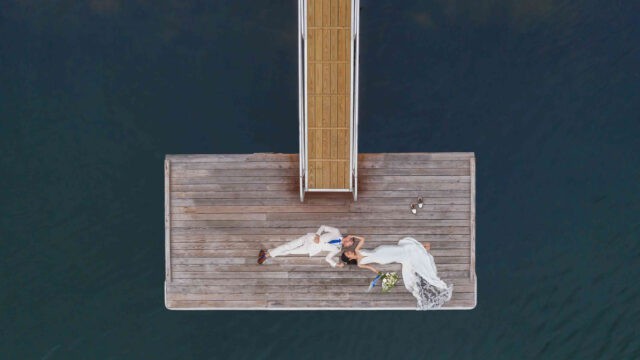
x=94 y=94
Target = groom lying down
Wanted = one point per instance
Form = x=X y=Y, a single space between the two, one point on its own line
x=327 y=239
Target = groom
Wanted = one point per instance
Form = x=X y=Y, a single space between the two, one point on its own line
x=326 y=238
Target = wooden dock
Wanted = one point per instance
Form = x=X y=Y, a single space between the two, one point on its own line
x=221 y=209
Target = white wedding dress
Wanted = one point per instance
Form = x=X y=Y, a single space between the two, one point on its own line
x=419 y=272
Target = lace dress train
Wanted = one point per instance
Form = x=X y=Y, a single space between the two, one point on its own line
x=419 y=272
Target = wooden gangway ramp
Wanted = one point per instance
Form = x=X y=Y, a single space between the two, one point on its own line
x=221 y=209
x=328 y=88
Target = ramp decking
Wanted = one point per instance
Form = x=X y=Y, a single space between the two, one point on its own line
x=221 y=209
x=328 y=88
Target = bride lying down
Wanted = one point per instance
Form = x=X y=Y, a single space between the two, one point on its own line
x=419 y=272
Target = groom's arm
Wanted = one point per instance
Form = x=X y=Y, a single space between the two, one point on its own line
x=321 y=230
x=330 y=257
x=327 y=229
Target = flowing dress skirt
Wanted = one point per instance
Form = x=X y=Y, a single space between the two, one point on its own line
x=419 y=272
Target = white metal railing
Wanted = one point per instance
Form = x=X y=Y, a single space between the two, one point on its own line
x=351 y=83
x=302 y=94
x=355 y=46
x=306 y=97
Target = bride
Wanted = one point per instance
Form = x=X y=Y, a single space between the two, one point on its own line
x=419 y=272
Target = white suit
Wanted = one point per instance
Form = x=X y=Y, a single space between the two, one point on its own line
x=306 y=245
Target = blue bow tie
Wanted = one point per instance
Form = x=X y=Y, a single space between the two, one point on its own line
x=337 y=241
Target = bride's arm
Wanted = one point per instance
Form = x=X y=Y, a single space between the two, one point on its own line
x=360 y=243
x=369 y=267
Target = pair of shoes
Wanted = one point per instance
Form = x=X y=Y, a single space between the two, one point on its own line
x=414 y=211
x=262 y=256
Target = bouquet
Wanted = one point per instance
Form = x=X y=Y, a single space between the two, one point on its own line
x=388 y=279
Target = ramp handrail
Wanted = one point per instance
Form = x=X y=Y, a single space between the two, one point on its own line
x=355 y=88
x=302 y=93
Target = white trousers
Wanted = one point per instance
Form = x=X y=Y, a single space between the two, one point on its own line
x=298 y=246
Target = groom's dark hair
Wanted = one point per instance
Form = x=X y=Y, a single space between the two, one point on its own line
x=348 y=261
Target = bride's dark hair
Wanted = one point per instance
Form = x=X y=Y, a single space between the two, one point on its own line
x=348 y=261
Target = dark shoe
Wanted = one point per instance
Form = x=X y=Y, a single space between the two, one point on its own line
x=262 y=257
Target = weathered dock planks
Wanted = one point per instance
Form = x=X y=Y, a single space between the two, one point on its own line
x=221 y=209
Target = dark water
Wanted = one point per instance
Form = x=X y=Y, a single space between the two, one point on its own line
x=94 y=93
